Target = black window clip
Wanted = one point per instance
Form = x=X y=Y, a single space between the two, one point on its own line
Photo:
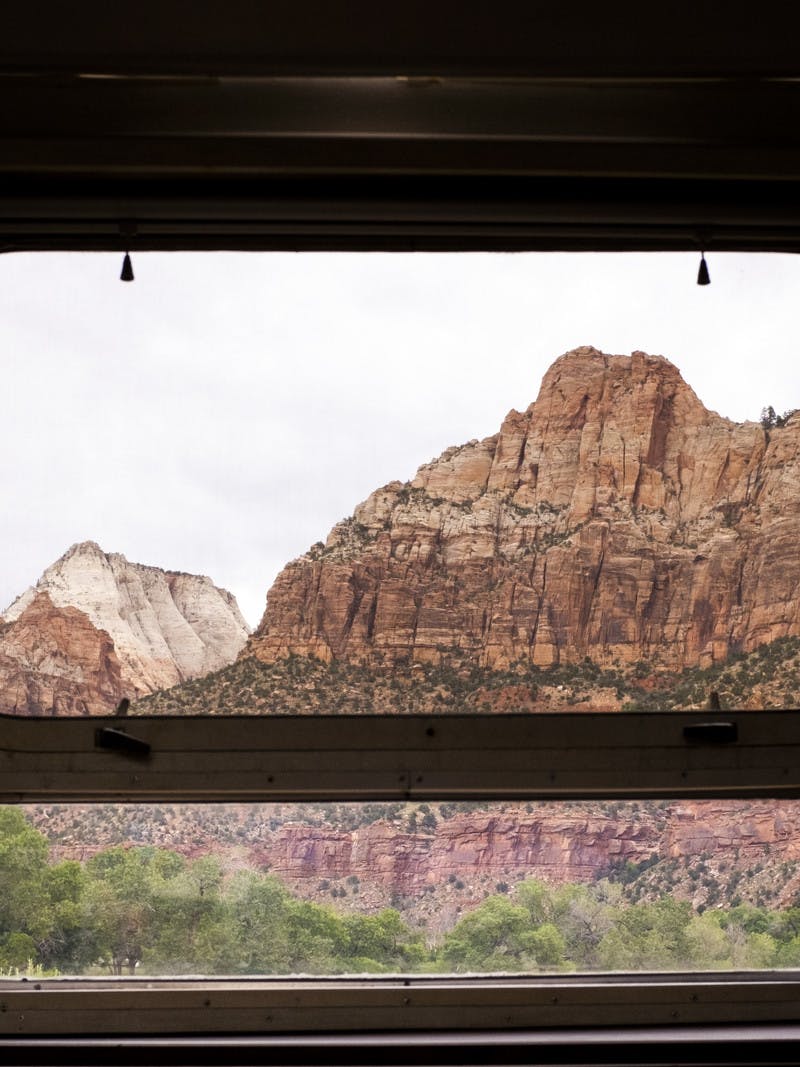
x=106 y=737
x=711 y=733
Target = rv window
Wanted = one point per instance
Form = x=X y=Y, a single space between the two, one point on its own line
x=505 y=512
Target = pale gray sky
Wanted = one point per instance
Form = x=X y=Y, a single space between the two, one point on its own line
x=221 y=413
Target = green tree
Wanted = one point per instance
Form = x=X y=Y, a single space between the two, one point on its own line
x=709 y=947
x=259 y=908
x=587 y=919
x=381 y=942
x=647 y=937
x=16 y=951
x=535 y=897
x=126 y=903
x=547 y=946
x=23 y=869
x=193 y=930
x=787 y=953
x=489 y=938
x=67 y=946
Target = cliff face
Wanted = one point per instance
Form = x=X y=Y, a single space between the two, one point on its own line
x=616 y=518
x=557 y=845
x=150 y=629
x=53 y=661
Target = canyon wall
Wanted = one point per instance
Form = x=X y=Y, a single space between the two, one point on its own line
x=557 y=842
x=464 y=853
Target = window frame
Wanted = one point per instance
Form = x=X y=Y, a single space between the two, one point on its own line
x=552 y=756
x=91 y=187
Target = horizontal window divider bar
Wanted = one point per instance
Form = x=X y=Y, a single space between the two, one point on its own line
x=352 y=732
x=554 y=756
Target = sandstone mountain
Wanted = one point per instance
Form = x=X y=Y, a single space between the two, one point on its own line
x=96 y=627
x=617 y=519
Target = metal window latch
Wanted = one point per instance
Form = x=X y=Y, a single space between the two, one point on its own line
x=106 y=737
x=711 y=733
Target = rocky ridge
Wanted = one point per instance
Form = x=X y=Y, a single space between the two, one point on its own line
x=96 y=627
x=616 y=519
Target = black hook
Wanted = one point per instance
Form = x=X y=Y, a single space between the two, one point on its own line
x=703 y=277
x=127 y=269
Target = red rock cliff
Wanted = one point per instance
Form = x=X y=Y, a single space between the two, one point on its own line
x=53 y=661
x=557 y=844
x=616 y=518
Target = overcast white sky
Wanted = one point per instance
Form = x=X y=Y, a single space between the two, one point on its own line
x=221 y=413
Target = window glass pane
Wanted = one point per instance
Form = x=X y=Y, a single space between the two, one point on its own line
x=399 y=888
x=448 y=513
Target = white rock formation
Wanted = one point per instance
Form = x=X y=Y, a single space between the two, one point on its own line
x=166 y=626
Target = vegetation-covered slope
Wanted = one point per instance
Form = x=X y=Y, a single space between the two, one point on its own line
x=768 y=677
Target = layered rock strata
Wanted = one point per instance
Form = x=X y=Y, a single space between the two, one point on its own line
x=615 y=518
x=158 y=628
x=53 y=661
x=556 y=842
x=557 y=845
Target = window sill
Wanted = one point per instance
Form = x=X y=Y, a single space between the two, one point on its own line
x=257 y=1006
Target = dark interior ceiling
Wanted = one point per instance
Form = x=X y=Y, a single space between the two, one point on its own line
x=434 y=126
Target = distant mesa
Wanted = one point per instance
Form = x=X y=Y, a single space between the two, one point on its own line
x=96 y=628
